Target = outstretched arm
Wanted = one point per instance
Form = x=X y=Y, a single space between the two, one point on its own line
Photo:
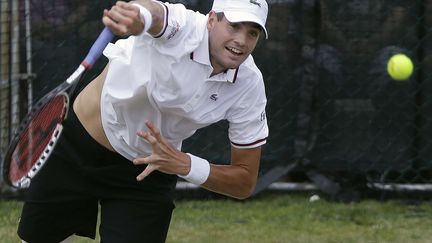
x=236 y=180
x=124 y=18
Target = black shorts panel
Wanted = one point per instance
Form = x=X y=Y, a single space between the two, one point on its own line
x=121 y=221
x=134 y=221
x=54 y=222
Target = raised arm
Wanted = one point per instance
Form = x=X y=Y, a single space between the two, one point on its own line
x=125 y=18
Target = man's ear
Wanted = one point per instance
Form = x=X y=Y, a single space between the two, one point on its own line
x=212 y=19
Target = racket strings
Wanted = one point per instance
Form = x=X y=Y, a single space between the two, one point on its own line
x=37 y=137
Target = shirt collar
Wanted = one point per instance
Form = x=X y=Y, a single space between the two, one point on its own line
x=202 y=55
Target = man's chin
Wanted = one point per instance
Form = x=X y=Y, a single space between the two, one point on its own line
x=233 y=64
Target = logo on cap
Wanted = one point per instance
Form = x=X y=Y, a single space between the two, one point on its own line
x=255 y=2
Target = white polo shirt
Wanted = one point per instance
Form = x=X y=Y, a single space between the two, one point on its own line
x=166 y=80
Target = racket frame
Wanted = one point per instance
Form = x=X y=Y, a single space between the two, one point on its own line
x=24 y=182
x=65 y=89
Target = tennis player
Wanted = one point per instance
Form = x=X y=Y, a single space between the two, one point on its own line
x=179 y=71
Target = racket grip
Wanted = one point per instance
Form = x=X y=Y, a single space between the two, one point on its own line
x=97 y=48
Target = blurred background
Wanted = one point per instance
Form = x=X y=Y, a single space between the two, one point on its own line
x=337 y=120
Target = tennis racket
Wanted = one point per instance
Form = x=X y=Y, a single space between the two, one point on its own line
x=38 y=133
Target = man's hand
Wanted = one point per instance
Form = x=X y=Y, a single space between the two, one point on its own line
x=165 y=157
x=123 y=19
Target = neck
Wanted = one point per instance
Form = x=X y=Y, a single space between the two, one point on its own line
x=217 y=71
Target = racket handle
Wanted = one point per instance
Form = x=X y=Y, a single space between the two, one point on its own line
x=97 y=48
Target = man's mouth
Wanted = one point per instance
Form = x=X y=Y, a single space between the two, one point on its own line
x=234 y=51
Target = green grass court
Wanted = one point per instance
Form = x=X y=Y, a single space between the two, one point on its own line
x=281 y=217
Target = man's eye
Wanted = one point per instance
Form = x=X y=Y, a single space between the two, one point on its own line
x=235 y=25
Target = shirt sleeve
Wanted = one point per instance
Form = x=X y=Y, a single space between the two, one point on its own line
x=182 y=32
x=247 y=120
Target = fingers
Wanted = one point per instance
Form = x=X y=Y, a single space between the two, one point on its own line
x=140 y=161
x=148 y=137
x=122 y=15
x=150 y=166
x=126 y=5
x=154 y=130
x=115 y=27
x=149 y=169
x=153 y=135
x=147 y=160
x=122 y=19
x=161 y=157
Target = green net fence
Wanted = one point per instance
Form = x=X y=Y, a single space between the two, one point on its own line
x=332 y=107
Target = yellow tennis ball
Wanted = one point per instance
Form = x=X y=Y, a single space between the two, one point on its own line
x=400 y=67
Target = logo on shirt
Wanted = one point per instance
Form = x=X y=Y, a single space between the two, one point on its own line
x=255 y=2
x=175 y=26
x=214 y=97
x=263 y=116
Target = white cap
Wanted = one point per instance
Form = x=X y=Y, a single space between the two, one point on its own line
x=243 y=11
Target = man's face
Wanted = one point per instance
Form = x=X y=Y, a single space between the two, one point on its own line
x=230 y=43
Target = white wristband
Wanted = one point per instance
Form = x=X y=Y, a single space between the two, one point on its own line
x=199 y=170
x=145 y=15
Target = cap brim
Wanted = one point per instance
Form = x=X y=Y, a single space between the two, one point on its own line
x=235 y=17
